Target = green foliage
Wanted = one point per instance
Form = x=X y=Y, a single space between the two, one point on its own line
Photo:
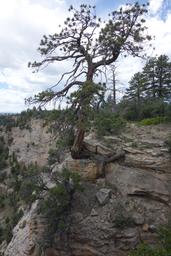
x=53 y=156
x=3 y=176
x=121 y=221
x=7 y=233
x=10 y=224
x=7 y=121
x=2 y=203
x=4 y=151
x=165 y=236
x=163 y=248
x=147 y=250
x=154 y=121
x=64 y=143
x=32 y=184
x=1 y=234
x=14 y=164
x=149 y=92
x=91 y=51
x=107 y=123
x=57 y=203
x=147 y=109
x=67 y=139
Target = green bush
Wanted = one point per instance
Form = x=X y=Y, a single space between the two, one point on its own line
x=56 y=205
x=162 y=249
x=2 y=199
x=165 y=236
x=3 y=176
x=4 y=152
x=32 y=184
x=148 y=108
x=123 y=222
x=54 y=156
x=7 y=233
x=107 y=123
x=147 y=250
x=1 y=234
x=154 y=121
x=10 y=223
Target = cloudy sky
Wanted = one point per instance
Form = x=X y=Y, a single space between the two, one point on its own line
x=22 y=24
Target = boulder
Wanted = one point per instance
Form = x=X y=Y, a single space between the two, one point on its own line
x=26 y=234
x=137 y=182
x=103 y=196
x=88 y=169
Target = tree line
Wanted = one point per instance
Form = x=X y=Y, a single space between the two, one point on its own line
x=149 y=91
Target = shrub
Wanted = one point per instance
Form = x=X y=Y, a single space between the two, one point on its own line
x=7 y=233
x=153 y=121
x=1 y=234
x=147 y=250
x=56 y=205
x=165 y=236
x=122 y=221
x=4 y=151
x=163 y=248
x=10 y=223
x=54 y=156
x=32 y=184
x=3 y=176
x=2 y=203
x=108 y=123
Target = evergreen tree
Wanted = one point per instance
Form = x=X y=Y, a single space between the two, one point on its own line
x=149 y=91
x=163 y=77
x=90 y=47
x=135 y=92
x=157 y=76
x=150 y=81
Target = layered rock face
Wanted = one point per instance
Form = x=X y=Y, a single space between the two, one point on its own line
x=31 y=145
x=120 y=206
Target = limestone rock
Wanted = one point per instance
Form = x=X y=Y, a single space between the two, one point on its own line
x=88 y=169
x=23 y=241
x=138 y=219
x=145 y=227
x=3 y=247
x=136 y=182
x=103 y=196
x=93 y=212
x=96 y=147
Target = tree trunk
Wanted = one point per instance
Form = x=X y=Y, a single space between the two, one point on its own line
x=114 y=93
x=77 y=151
x=78 y=143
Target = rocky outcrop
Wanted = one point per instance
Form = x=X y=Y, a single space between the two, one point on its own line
x=137 y=182
x=89 y=170
x=30 y=145
x=121 y=204
x=22 y=243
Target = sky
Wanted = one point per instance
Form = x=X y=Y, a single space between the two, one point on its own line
x=24 y=22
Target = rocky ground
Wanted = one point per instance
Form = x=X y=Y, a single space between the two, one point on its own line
x=119 y=207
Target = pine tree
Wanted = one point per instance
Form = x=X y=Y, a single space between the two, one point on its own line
x=90 y=47
x=163 y=77
x=135 y=92
x=157 y=76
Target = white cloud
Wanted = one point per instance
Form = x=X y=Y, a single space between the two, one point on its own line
x=162 y=32
x=22 y=24
x=155 y=5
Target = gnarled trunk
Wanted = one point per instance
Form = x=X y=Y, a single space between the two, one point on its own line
x=78 y=143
